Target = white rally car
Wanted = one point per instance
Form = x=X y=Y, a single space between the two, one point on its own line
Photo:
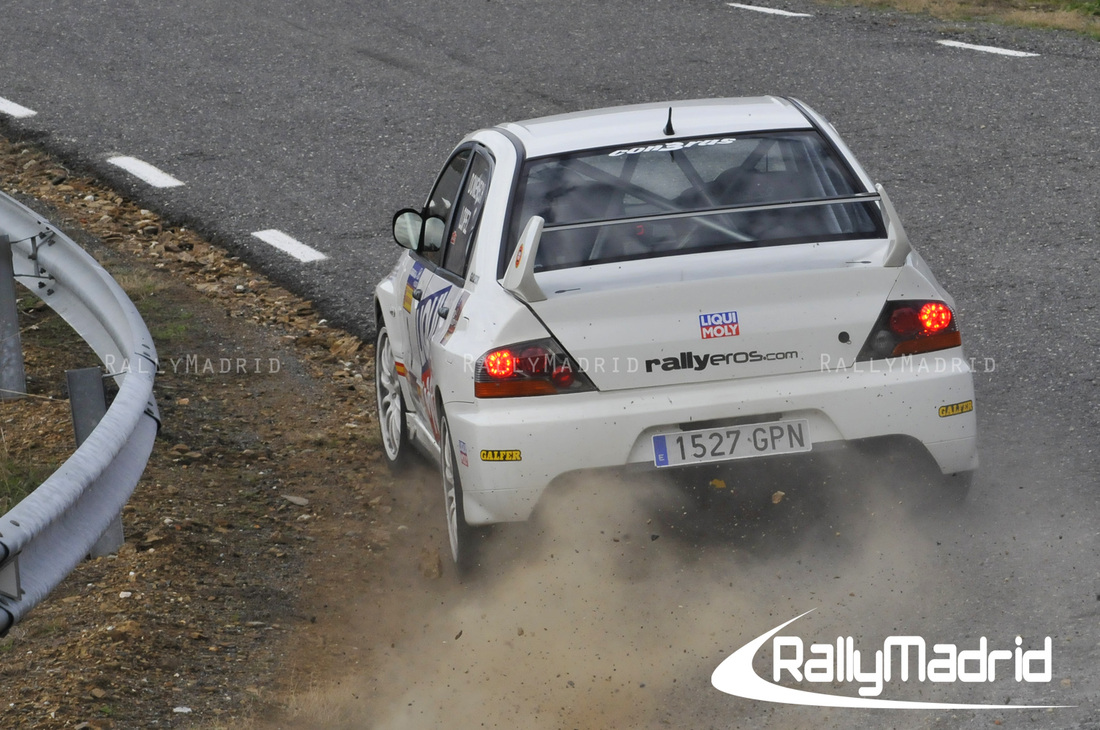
x=665 y=285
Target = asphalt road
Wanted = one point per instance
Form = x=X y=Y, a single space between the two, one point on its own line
x=318 y=119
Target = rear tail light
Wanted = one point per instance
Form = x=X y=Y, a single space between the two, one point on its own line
x=539 y=367
x=911 y=327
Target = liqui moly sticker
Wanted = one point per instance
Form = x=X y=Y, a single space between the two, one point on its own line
x=719 y=324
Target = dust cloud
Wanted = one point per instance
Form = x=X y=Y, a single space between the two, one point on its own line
x=615 y=603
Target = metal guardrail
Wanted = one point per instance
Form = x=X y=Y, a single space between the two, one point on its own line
x=55 y=527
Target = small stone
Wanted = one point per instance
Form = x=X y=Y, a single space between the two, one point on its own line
x=300 y=501
x=181 y=710
x=125 y=631
x=778 y=497
x=431 y=566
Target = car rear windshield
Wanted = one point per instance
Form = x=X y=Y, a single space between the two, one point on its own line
x=686 y=196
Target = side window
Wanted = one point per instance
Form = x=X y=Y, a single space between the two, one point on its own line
x=441 y=204
x=468 y=215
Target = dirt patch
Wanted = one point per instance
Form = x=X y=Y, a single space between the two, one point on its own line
x=264 y=495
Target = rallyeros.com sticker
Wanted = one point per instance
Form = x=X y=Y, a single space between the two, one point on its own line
x=840 y=661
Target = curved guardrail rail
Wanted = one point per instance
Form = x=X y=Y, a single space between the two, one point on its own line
x=50 y=531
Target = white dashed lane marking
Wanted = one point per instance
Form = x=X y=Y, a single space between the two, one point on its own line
x=953 y=44
x=988 y=49
x=145 y=172
x=286 y=244
x=158 y=178
x=15 y=110
x=770 y=11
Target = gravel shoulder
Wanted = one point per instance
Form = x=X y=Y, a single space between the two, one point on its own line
x=265 y=491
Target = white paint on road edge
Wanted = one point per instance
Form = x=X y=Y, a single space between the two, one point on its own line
x=771 y=11
x=286 y=244
x=15 y=110
x=988 y=49
x=145 y=172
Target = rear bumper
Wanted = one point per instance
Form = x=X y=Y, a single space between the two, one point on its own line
x=515 y=447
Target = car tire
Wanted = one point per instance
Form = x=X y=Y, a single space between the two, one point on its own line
x=459 y=534
x=391 y=404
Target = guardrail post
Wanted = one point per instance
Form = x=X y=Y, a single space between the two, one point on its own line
x=88 y=402
x=13 y=379
x=9 y=581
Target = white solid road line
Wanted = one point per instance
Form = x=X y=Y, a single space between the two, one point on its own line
x=286 y=244
x=15 y=110
x=770 y=11
x=988 y=49
x=145 y=172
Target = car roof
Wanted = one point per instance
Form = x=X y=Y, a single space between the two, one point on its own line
x=646 y=122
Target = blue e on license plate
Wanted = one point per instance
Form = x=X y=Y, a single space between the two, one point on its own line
x=731 y=442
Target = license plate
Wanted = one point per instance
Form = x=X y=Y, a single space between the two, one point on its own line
x=732 y=442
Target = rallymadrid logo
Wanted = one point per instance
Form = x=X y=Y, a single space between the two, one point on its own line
x=840 y=661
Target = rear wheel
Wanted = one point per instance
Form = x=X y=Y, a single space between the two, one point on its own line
x=391 y=404
x=459 y=534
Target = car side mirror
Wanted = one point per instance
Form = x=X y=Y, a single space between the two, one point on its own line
x=434 y=228
x=407 y=226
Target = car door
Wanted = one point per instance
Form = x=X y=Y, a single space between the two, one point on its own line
x=434 y=290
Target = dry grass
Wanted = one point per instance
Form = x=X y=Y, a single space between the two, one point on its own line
x=18 y=478
x=1080 y=17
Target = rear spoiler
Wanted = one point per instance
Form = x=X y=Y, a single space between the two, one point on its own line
x=895 y=234
x=519 y=278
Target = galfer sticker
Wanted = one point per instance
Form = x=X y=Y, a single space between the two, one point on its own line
x=671 y=146
x=718 y=324
x=519 y=254
x=956 y=409
x=501 y=455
